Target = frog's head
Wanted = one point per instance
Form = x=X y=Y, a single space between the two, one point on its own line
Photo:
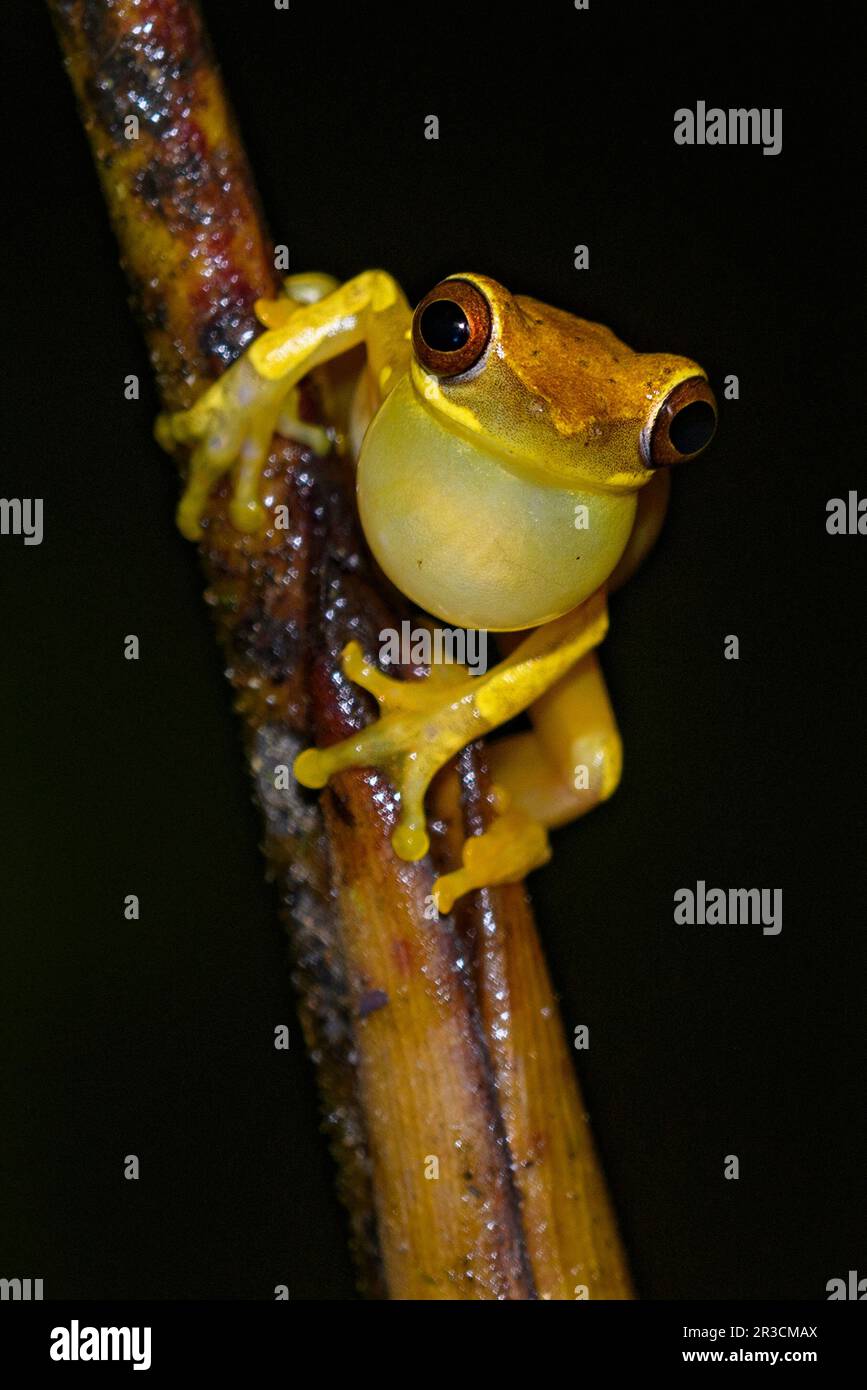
x=498 y=481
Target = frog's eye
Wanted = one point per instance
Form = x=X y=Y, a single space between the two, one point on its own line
x=683 y=425
x=451 y=328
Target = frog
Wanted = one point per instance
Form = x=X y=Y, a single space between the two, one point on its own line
x=512 y=469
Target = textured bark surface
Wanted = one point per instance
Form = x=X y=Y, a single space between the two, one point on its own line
x=434 y=1039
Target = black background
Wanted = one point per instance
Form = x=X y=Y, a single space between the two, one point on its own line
x=155 y=1037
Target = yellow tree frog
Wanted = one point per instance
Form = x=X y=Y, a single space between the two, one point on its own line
x=512 y=467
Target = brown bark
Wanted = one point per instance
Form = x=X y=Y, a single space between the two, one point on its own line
x=402 y=1014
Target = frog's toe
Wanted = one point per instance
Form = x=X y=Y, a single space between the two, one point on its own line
x=423 y=724
x=246 y=512
x=505 y=853
x=201 y=475
x=164 y=433
x=184 y=427
x=432 y=693
x=311 y=769
x=219 y=448
x=291 y=426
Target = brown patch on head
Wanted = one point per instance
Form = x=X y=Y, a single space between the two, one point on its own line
x=579 y=370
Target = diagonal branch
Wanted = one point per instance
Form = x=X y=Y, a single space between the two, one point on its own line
x=437 y=1042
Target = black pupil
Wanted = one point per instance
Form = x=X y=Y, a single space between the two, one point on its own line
x=444 y=326
x=692 y=427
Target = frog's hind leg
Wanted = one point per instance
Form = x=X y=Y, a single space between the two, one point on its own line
x=572 y=759
x=568 y=763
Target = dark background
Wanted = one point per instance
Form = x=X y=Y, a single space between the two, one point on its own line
x=155 y=1037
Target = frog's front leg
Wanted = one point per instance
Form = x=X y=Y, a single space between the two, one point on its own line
x=231 y=425
x=424 y=723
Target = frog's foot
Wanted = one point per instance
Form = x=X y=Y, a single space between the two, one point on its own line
x=423 y=723
x=230 y=429
x=506 y=853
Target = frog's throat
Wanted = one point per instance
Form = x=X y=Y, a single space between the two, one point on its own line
x=477 y=543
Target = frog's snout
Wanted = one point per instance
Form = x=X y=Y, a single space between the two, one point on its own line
x=682 y=425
